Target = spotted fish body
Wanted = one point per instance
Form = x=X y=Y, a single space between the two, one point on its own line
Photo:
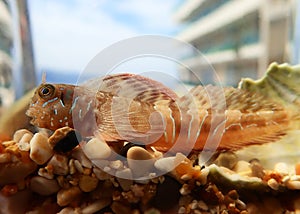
x=137 y=109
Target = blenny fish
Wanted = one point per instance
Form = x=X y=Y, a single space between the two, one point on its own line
x=128 y=107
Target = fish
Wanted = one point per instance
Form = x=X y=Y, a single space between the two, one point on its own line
x=130 y=107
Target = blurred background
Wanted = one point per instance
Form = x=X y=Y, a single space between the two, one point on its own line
x=239 y=38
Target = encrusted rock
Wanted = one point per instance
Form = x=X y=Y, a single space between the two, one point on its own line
x=43 y=186
x=64 y=139
x=40 y=150
x=97 y=149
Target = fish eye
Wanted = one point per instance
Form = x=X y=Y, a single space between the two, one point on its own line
x=46 y=91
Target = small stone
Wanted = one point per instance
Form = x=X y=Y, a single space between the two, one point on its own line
x=59 y=164
x=67 y=196
x=117 y=164
x=202 y=205
x=119 y=208
x=282 y=168
x=140 y=161
x=69 y=142
x=40 y=150
x=5 y=158
x=243 y=168
x=23 y=143
x=88 y=183
x=78 y=166
x=273 y=184
x=20 y=133
x=124 y=178
x=97 y=149
x=43 y=186
x=257 y=169
x=165 y=164
x=64 y=139
x=96 y=206
x=181 y=210
x=100 y=174
x=293 y=184
x=78 y=154
x=226 y=159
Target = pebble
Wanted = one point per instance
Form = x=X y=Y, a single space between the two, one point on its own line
x=67 y=196
x=60 y=164
x=165 y=164
x=20 y=133
x=117 y=164
x=23 y=143
x=67 y=143
x=140 y=161
x=273 y=184
x=82 y=158
x=40 y=150
x=124 y=178
x=78 y=166
x=96 y=206
x=88 y=183
x=43 y=186
x=226 y=159
x=119 y=208
x=243 y=168
x=100 y=174
x=281 y=168
x=181 y=210
x=202 y=205
x=293 y=184
x=5 y=158
x=97 y=149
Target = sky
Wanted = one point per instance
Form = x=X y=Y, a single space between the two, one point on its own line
x=68 y=34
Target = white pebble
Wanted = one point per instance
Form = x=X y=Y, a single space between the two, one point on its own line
x=281 y=168
x=293 y=184
x=165 y=164
x=23 y=143
x=97 y=149
x=273 y=184
x=117 y=164
x=140 y=161
x=40 y=150
x=20 y=133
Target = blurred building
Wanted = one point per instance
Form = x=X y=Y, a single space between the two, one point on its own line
x=17 y=70
x=240 y=38
x=6 y=65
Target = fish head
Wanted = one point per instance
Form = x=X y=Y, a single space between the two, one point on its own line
x=50 y=106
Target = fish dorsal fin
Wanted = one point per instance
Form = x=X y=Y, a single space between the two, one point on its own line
x=134 y=87
x=227 y=98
